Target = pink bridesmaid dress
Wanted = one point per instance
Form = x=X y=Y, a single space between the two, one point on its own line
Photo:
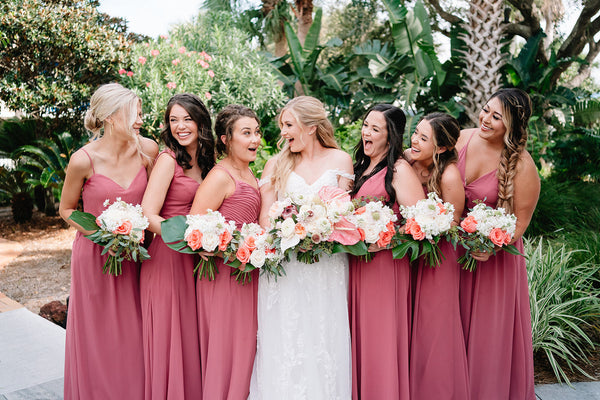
x=380 y=317
x=495 y=313
x=104 y=358
x=168 y=298
x=227 y=319
x=438 y=360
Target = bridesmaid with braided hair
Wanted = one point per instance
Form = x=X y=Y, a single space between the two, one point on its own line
x=496 y=168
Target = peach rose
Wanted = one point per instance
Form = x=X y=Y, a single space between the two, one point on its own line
x=416 y=232
x=385 y=238
x=507 y=239
x=441 y=208
x=390 y=227
x=498 y=236
x=300 y=230
x=409 y=225
x=124 y=229
x=224 y=240
x=250 y=243
x=360 y=210
x=194 y=239
x=469 y=224
x=243 y=254
x=362 y=234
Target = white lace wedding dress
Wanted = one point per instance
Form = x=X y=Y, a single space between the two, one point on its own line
x=303 y=349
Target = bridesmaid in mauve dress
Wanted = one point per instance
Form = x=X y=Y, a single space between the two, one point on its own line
x=438 y=360
x=104 y=355
x=497 y=169
x=167 y=283
x=380 y=297
x=227 y=322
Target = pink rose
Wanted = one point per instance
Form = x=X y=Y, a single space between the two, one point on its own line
x=224 y=240
x=122 y=71
x=243 y=254
x=130 y=74
x=498 y=236
x=171 y=85
x=194 y=239
x=182 y=50
x=208 y=95
x=176 y=61
x=124 y=229
x=154 y=53
x=211 y=73
x=142 y=60
x=250 y=243
x=469 y=224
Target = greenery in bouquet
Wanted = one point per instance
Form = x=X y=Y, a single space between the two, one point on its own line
x=120 y=230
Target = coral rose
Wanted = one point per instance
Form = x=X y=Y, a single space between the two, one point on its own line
x=362 y=234
x=416 y=232
x=194 y=239
x=250 y=243
x=224 y=240
x=384 y=238
x=124 y=229
x=469 y=224
x=498 y=236
x=243 y=254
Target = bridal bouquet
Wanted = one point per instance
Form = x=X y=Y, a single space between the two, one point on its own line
x=251 y=248
x=375 y=223
x=191 y=234
x=484 y=228
x=426 y=223
x=119 y=229
x=314 y=224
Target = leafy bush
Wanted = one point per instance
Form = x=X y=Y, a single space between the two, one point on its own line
x=208 y=57
x=570 y=206
x=564 y=297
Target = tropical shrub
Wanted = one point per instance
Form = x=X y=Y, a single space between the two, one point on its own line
x=564 y=300
x=208 y=57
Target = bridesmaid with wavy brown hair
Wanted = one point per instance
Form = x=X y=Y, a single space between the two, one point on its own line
x=497 y=169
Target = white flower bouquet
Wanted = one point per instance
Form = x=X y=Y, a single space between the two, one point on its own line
x=120 y=230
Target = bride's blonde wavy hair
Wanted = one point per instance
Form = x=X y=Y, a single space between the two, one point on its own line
x=308 y=112
x=108 y=100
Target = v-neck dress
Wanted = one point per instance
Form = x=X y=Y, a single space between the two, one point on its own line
x=104 y=357
x=168 y=297
x=495 y=312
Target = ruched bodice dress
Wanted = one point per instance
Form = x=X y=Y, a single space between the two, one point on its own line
x=168 y=299
x=104 y=354
x=495 y=313
x=227 y=313
x=380 y=309
x=438 y=359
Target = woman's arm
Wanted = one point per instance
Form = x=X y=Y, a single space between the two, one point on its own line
x=215 y=188
x=344 y=163
x=78 y=170
x=156 y=191
x=150 y=148
x=453 y=190
x=406 y=184
x=527 y=191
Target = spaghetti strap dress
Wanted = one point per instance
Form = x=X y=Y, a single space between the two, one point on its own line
x=168 y=297
x=227 y=322
x=380 y=317
x=495 y=312
x=438 y=359
x=104 y=358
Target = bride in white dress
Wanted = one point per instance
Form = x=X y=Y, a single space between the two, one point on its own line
x=303 y=349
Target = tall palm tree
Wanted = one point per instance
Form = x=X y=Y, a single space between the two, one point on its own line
x=483 y=56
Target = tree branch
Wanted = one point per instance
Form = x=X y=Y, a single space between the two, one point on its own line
x=451 y=18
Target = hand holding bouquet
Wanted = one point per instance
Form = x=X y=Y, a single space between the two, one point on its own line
x=426 y=223
x=197 y=233
x=120 y=230
x=251 y=248
x=483 y=229
x=375 y=223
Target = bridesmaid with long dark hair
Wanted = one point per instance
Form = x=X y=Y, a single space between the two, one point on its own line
x=497 y=169
x=227 y=322
x=167 y=284
x=104 y=356
x=380 y=296
x=438 y=364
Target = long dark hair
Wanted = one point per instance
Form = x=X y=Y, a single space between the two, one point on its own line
x=395 y=121
x=446 y=131
x=205 y=155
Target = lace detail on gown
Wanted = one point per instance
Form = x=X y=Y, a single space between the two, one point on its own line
x=303 y=349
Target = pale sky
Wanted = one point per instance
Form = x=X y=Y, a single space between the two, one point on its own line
x=151 y=17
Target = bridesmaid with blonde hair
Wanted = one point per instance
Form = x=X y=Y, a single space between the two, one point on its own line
x=104 y=356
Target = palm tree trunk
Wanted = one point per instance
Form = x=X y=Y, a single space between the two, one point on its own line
x=483 y=58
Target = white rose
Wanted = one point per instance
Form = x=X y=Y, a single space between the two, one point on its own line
x=371 y=234
x=210 y=241
x=288 y=228
x=257 y=258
